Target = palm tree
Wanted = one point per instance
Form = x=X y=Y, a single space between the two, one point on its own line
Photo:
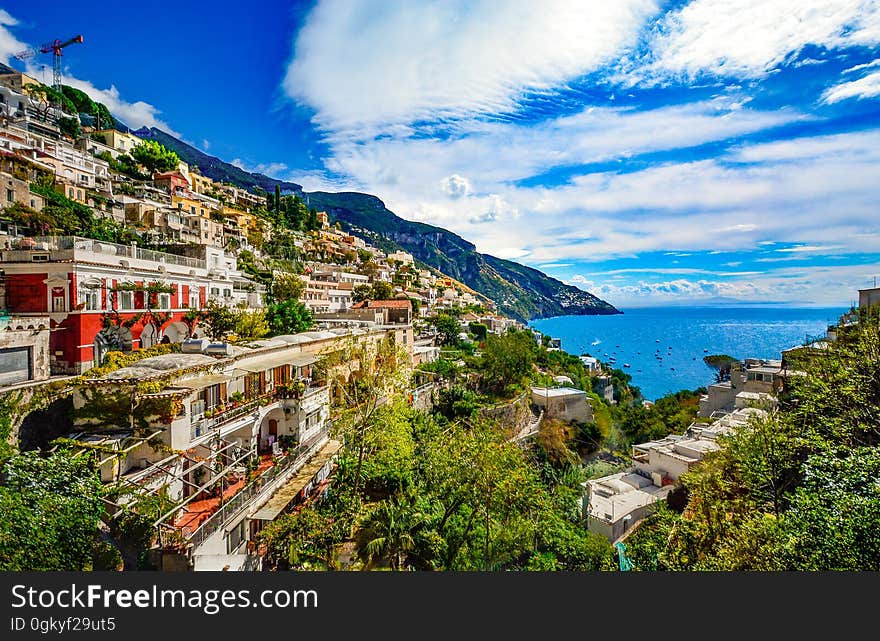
x=390 y=531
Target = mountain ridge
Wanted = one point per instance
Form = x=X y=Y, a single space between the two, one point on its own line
x=519 y=291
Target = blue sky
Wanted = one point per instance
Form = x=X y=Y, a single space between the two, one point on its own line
x=654 y=153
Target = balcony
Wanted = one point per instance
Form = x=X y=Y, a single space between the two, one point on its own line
x=77 y=248
x=257 y=490
x=203 y=425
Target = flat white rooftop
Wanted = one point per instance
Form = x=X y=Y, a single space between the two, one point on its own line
x=555 y=392
x=613 y=497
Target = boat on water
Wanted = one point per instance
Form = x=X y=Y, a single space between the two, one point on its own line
x=626 y=364
x=596 y=342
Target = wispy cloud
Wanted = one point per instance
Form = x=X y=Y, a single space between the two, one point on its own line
x=749 y=38
x=819 y=286
x=810 y=248
x=271 y=169
x=450 y=60
x=865 y=87
x=9 y=44
x=134 y=114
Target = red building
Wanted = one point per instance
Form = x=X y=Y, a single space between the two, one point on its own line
x=171 y=181
x=102 y=296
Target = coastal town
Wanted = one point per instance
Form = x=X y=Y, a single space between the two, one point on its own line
x=226 y=360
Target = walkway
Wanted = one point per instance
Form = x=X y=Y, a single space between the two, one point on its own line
x=531 y=429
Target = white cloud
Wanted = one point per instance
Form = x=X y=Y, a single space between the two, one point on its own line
x=865 y=87
x=365 y=64
x=819 y=286
x=811 y=191
x=134 y=114
x=749 y=38
x=810 y=248
x=867 y=65
x=271 y=169
x=741 y=227
x=319 y=181
x=456 y=186
x=526 y=188
x=9 y=44
x=511 y=253
x=822 y=200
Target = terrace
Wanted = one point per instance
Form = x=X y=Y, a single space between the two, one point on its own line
x=66 y=248
x=199 y=516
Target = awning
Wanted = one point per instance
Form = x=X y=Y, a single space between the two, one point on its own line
x=289 y=491
x=302 y=360
x=273 y=361
x=203 y=381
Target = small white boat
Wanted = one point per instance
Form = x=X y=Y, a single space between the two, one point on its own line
x=626 y=364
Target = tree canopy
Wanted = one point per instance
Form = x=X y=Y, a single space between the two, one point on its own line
x=155 y=157
x=289 y=317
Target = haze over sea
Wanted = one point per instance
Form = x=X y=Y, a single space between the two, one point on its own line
x=681 y=336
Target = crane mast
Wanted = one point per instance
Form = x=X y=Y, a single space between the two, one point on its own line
x=55 y=48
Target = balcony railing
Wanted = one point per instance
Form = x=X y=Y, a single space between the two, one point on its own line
x=113 y=249
x=204 y=425
x=294 y=458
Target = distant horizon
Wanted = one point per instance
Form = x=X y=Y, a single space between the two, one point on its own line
x=842 y=309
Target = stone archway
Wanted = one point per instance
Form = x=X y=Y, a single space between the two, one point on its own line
x=176 y=332
x=149 y=336
x=111 y=339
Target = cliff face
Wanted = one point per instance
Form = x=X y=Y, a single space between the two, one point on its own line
x=521 y=292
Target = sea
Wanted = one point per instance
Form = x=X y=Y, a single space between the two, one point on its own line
x=664 y=346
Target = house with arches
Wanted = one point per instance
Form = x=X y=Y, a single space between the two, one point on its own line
x=102 y=296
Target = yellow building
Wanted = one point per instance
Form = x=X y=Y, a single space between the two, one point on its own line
x=119 y=140
x=17 y=81
x=201 y=184
x=190 y=205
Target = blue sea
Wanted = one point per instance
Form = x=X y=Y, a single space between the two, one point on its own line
x=681 y=336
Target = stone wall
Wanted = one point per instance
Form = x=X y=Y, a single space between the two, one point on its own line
x=513 y=415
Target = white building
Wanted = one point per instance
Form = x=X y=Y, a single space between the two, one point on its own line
x=613 y=504
x=564 y=403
